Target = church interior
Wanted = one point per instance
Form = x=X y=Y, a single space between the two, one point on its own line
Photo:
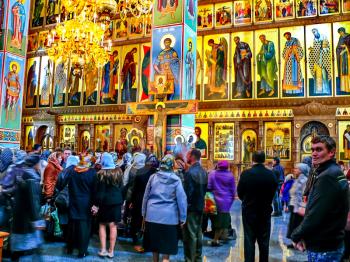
x=227 y=77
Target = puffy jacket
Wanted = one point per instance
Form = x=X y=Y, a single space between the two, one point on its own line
x=322 y=228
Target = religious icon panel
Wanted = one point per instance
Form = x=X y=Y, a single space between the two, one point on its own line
x=67 y=136
x=29 y=138
x=108 y=34
x=328 y=7
x=278 y=140
x=148 y=25
x=249 y=145
x=42 y=40
x=129 y=75
x=223 y=15
x=346 y=6
x=205 y=17
x=319 y=59
x=166 y=63
x=189 y=65
x=120 y=139
x=37 y=18
x=60 y=84
x=120 y=29
x=284 y=9
x=102 y=138
x=136 y=27
x=199 y=67
x=224 y=141
x=75 y=85
x=242 y=77
x=167 y=12
x=267 y=57
x=46 y=76
x=32 y=42
x=262 y=11
x=110 y=78
x=32 y=78
x=92 y=76
x=202 y=132
x=52 y=11
x=306 y=8
x=242 y=12
x=3 y=7
x=341 y=43
x=85 y=140
x=344 y=140
x=191 y=11
x=145 y=50
x=292 y=54
x=216 y=54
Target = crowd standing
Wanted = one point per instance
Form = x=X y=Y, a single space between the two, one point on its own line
x=65 y=196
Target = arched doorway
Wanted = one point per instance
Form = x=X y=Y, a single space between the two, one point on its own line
x=249 y=145
x=44 y=138
x=84 y=141
x=308 y=131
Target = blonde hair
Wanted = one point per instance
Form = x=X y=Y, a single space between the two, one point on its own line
x=110 y=176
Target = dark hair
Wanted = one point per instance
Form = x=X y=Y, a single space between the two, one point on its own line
x=259 y=157
x=341 y=163
x=341 y=29
x=326 y=140
x=67 y=148
x=277 y=159
x=36 y=147
x=58 y=149
x=287 y=33
x=196 y=153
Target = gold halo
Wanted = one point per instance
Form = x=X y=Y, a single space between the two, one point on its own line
x=182 y=139
x=139 y=132
x=17 y=64
x=135 y=137
x=173 y=40
x=160 y=104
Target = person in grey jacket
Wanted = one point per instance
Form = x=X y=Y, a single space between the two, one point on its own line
x=164 y=207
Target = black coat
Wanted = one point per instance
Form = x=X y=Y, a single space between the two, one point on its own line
x=326 y=211
x=108 y=194
x=256 y=188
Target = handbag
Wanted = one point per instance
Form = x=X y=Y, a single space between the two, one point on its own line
x=210 y=204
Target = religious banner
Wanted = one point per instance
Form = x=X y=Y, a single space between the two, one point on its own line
x=38 y=13
x=102 y=138
x=341 y=43
x=32 y=43
x=60 y=84
x=189 y=66
x=75 y=85
x=205 y=16
x=167 y=12
x=267 y=57
x=120 y=29
x=45 y=85
x=328 y=7
x=52 y=11
x=278 y=140
x=202 y=132
x=110 y=78
x=306 y=8
x=262 y=11
x=191 y=11
x=242 y=77
x=223 y=14
x=216 y=54
x=166 y=61
x=344 y=140
x=92 y=76
x=199 y=67
x=224 y=141
x=242 y=12
x=3 y=14
x=145 y=71
x=346 y=6
x=319 y=59
x=32 y=82
x=129 y=73
x=284 y=9
x=136 y=27
x=292 y=52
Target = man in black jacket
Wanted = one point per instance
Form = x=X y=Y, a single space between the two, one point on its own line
x=256 y=188
x=195 y=185
x=322 y=231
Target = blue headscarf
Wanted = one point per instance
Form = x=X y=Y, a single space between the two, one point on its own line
x=45 y=155
x=6 y=159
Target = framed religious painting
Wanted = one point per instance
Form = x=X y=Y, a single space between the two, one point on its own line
x=167 y=12
x=223 y=15
x=341 y=45
x=215 y=80
x=292 y=52
x=120 y=29
x=84 y=141
x=263 y=10
x=29 y=138
x=136 y=27
x=67 y=136
x=75 y=85
x=205 y=17
x=242 y=76
x=267 y=57
x=224 y=141
x=60 y=84
x=102 y=138
x=53 y=11
x=249 y=144
x=305 y=8
x=42 y=40
x=38 y=13
x=346 y=6
x=202 y=132
x=278 y=140
x=191 y=14
x=46 y=79
x=110 y=78
x=344 y=140
x=242 y=12
x=166 y=63
x=319 y=60
x=32 y=82
x=284 y=10
x=145 y=53
x=32 y=45
x=108 y=34
x=199 y=67
x=148 y=25
x=129 y=73
x=189 y=66
x=120 y=139
x=328 y=7
x=92 y=77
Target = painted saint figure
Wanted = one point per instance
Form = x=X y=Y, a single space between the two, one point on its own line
x=292 y=82
x=2 y=15
x=200 y=143
x=243 y=68
x=121 y=146
x=167 y=6
x=128 y=74
x=249 y=148
x=32 y=84
x=74 y=83
x=46 y=85
x=110 y=78
x=159 y=123
x=216 y=59
x=17 y=24
x=37 y=19
x=267 y=66
x=189 y=71
x=343 y=62
x=346 y=142
x=91 y=80
x=60 y=83
x=320 y=64
x=13 y=88
x=190 y=8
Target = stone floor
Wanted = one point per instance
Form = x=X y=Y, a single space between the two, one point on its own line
x=278 y=251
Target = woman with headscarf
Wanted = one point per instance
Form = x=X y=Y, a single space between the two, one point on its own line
x=300 y=172
x=164 y=207
x=222 y=184
x=6 y=159
x=51 y=172
x=43 y=164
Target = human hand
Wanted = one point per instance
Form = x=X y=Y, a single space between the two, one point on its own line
x=94 y=210
x=300 y=246
x=182 y=224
